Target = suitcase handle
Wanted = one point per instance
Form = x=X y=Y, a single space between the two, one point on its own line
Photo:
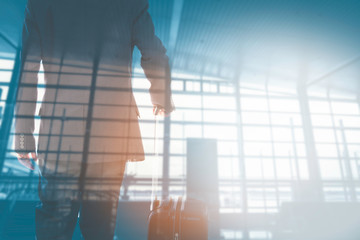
x=155 y=203
x=177 y=222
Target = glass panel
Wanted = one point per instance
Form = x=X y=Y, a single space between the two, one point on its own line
x=319 y=106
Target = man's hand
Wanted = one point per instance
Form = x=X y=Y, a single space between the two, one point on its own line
x=25 y=159
x=159 y=110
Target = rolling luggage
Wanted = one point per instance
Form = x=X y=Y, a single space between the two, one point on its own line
x=181 y=219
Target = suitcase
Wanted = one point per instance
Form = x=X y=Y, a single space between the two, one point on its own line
x=181 y=219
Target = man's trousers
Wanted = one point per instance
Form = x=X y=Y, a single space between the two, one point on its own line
x=63 y=200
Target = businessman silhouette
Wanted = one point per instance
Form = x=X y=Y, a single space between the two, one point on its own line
x=89 y=119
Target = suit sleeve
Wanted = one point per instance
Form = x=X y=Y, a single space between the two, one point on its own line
x=154 y=60
x=27 y=88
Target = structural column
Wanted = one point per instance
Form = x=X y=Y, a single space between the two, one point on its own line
x=9 y=110
x=241 y=158
x=313 y=188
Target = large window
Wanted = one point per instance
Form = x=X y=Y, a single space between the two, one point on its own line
x=336 y=120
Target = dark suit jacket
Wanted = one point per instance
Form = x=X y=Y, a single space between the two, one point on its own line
x=86 y=49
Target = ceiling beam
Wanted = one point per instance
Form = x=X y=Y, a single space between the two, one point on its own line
x=175 y=24
x=333 y=71
x=8 y=41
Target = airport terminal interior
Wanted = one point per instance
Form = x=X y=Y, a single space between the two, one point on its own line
x=266 y=127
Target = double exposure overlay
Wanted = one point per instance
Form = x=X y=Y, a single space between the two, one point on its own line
x=242 y=116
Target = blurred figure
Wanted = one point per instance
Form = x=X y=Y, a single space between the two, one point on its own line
x=89 y=119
